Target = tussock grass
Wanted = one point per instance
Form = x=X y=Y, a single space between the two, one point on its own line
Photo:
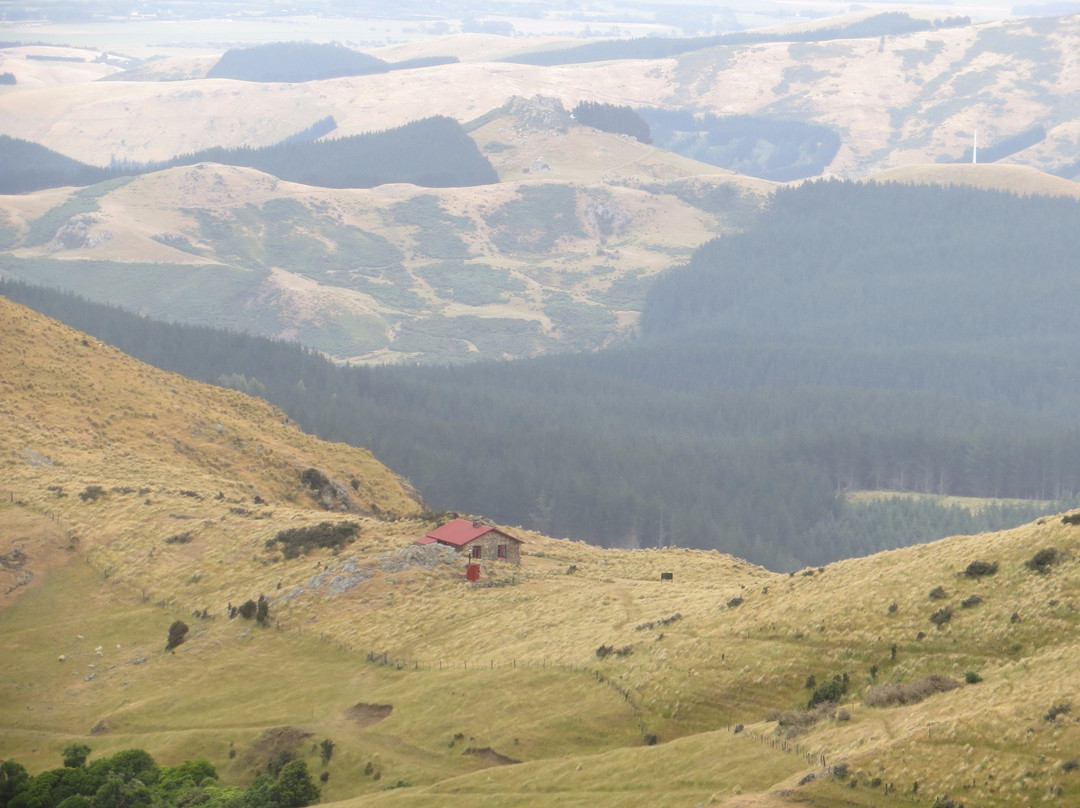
x=513 y=668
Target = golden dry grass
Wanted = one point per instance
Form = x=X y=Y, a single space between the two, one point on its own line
x=1017 y=179
x=856 y=86
x=654 y=228
x=512 y=668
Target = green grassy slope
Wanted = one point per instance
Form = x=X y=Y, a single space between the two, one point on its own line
x=509 y=671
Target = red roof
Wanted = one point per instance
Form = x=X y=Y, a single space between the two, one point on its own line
x=460 y=532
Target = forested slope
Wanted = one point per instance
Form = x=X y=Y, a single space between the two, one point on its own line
x=862 y=336
x=433 y=152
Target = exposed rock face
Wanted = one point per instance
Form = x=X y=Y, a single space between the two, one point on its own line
x=538 y=114
x=76 y=233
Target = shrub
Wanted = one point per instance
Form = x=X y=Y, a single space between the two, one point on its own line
x=299 y=540
x=1070 y=765
x=938 y=593
x=736 y=601
x=946 y=802
x=893 y=607
x=75 y=755
x=92 y=493
x=841 y=771
x=314 y=479
x=941 y=617
x=831 y=692
x=326 y=750
x=1041 y=562
x=794 y=722
x=897 y=693
x=179 y=538
x=262 y=610
x=1056 y=710
x=972 y=678
x=177 y=634
x=971 y=600
x=1071 y=519
x=248 y=608
x=977 y=569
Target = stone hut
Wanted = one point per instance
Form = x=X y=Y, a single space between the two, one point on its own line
x=477 y=541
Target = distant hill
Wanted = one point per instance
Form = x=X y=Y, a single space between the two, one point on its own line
x=26 y=166
x=895 y=89
x=770 y=148
x=294 y=61
x=433 y=152
x=889 y=23
x=553 y=257
x=1017 y=179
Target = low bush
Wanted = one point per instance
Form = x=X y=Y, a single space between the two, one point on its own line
x=938 y=593
x=972 y=678
x=314 y=479
x=92 y=493
x=828 y=692
x=898 y=693
x=941 y=616
x=977 y=569
x=792 y=723
x=1056 y=710
x=663 y=621
x=971 y=600
x=607 y=650
x=1041 y=562
x=177 y=634
x=179 y=538
x=299 y=540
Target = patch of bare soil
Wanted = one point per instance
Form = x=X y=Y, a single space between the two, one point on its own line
x=367 y=714
x=490 y=756
x=272 y=743
x=31 y=545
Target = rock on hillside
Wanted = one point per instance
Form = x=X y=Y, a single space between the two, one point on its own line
x=107 y=447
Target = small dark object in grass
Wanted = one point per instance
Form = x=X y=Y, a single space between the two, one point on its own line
x=941 y=617
x=1056 y=710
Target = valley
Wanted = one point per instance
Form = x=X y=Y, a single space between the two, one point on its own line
x=779 y=400
x=706 y=662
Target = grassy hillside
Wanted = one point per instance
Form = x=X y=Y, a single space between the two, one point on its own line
x=558 y=255
x=899 y=100
x=508 y=671
x=395 y=272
